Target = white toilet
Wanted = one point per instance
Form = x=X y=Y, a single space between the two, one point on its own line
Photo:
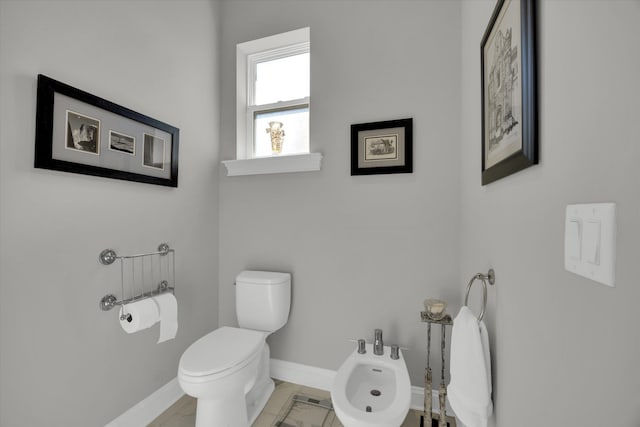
x=227 y=370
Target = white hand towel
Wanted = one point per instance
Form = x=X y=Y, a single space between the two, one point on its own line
x=469 y=391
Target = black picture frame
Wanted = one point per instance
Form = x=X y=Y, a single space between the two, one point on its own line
x=382 y=147
x=509 y=90
x=82 y=133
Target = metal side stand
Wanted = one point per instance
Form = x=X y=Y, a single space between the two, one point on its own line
x=428 y=417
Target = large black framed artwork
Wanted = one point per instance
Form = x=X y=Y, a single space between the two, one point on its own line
x=509 y=90
x=81 y=133
x=382 y=147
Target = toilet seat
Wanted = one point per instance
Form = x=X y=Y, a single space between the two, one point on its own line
x=221 y=352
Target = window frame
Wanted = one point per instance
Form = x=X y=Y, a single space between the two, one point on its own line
x=248 y=55
x=242 y=164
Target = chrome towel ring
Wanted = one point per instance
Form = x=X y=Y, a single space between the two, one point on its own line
x=491 y=278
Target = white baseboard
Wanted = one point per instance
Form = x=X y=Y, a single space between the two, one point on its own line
x=302 y=374
x=151 y=407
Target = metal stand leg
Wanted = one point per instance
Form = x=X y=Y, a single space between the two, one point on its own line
x=443 y=387
x=428 y=382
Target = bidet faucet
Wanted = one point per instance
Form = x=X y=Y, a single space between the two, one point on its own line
x=395 y=352
x=378 y=346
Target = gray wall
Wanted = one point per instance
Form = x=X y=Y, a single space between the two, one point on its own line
x=63 y=362
x=364 y=251
x=565 y=349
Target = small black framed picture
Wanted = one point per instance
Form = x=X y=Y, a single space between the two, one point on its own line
x=509 y=90
x=72 y=126
x=382 y=147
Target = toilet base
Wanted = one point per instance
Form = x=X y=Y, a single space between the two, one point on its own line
x=234 y=402
x=257 y=399
x=230 y=412
x=237 y=410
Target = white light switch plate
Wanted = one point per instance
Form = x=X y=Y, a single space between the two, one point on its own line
x=590 y=241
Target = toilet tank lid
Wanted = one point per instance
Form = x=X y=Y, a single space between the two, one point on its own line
x=263 y=277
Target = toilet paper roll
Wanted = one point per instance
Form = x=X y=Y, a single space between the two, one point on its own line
x=168 y=307
x=139 y=315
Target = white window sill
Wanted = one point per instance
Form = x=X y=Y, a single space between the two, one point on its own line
x=276 y=164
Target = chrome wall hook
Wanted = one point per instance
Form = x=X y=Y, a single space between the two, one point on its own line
x=108 y=302
x=163 y=249
x=107 y=257
x=491 y=276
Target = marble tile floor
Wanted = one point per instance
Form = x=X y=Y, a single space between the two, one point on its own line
x=282 y=410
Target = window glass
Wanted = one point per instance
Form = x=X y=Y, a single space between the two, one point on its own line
x=282 y=79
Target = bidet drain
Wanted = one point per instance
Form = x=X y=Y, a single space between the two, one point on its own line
x=375 y=392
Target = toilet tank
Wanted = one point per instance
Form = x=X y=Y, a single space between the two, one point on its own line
x=263 y=299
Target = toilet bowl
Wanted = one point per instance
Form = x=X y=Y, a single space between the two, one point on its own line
x=371 y=390
x=227 y=370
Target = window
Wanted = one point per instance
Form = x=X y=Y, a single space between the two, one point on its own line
x=273 y=95
x=279 y=95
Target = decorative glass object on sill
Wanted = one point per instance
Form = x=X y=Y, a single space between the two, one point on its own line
x=276 y=133
x=294 y=120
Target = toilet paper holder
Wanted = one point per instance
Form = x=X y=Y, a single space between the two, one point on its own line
x=110 y=301
x=109 y=256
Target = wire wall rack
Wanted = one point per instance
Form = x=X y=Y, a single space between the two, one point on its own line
x=143 y=275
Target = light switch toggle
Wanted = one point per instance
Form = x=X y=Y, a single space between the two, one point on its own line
x=573 y=239
x=591 y=242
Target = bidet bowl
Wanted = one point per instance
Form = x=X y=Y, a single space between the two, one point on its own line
x=372 y=391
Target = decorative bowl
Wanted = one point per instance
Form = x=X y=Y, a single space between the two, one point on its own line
x=436 y=309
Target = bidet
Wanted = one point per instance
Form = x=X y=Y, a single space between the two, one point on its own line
x=371 y=390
